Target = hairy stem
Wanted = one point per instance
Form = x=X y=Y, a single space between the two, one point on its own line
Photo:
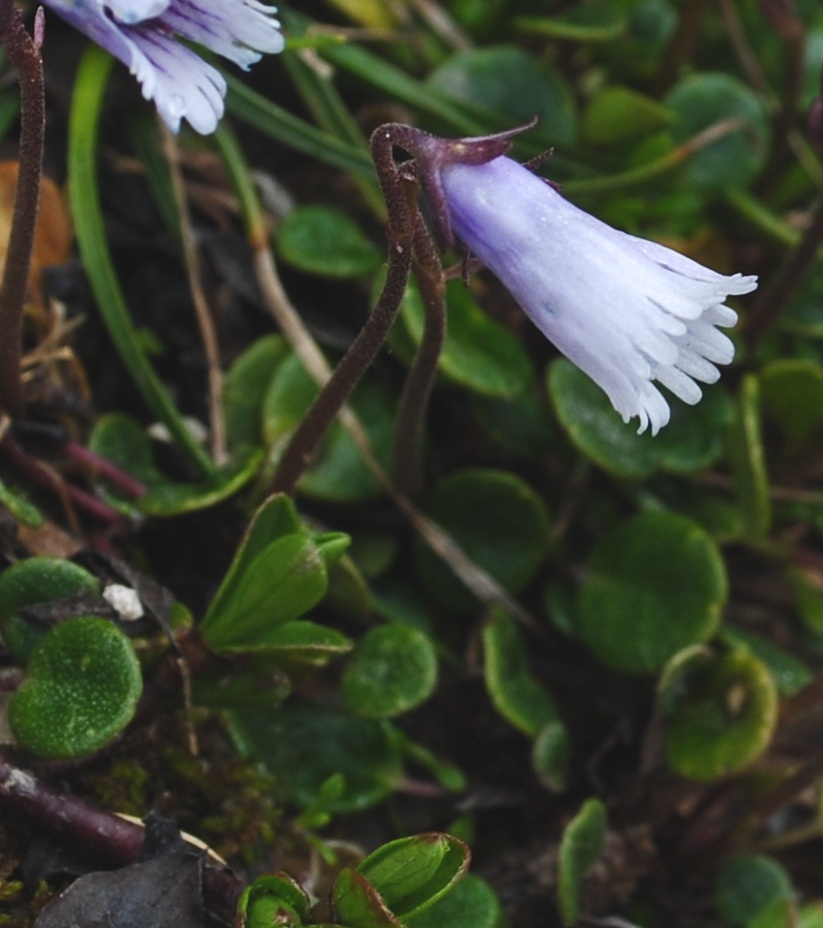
x=411 y=413
x=400 y=196
x=24 y=53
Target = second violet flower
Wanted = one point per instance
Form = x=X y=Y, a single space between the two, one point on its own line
x=630 y=313
x=145 y=35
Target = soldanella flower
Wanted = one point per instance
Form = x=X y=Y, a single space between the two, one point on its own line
x=630 y=313
x=145 y=36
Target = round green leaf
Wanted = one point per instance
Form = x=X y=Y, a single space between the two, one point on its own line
x=505 y=82
x=304 y=745
x=393 y=669
x=703 y=100
x=497 y=519
x=719 y=711
x=81 y=688
x=655 y=585
x=792 y=391
x=479 y=354
x=748 y=886
x=28 y=583
x=693 y=439
x=619 y=114
x=472 y=903
x=337 y=472
x=323 y=241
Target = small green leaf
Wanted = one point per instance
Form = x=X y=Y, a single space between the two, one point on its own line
x=302 y=641
x=504 y=81
x=703 y=100
x=81 y=689
x=20 y=507
x=337 y=472
x=284 y=581
x=125 y=442
x=655 y=584
x=273 y=901
x=619 y=114
x=323 y=241
x=410 y=874
x=514 y=691
x=393 y=669
x=746 y=887
x=305 y=745
x=245 y=386
x=479 y=354
x=693 y=439
x=497 y=519
x=550 y=756
x=358 y=904
x=31 y=582
x=579 y=848
x=719 y=711
x=275 y=518
x=472 y=903
x=792 y=391
x=790 y=674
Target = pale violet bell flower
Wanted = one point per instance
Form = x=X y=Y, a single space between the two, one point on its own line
x=628 y=312
x=144 y=35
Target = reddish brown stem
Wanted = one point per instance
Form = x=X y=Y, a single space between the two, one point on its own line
x=24 y=54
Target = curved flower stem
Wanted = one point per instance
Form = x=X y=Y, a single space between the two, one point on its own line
x=400 y=200
x=411 y=412
x=24 y=53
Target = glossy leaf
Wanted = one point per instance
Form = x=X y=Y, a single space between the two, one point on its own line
x=323 y=241
x=244 y=388
x=703 y=100
x=273 y=901
x=619 y=114
x=693 y=439
x=505 y=79
x=479 y=354
x=393 y=669
x=579 y=849
x=655 y=584
x=719 y=710
x=471 y=903
x=81 y=688
x=497 y=519
x=410 y=874
x=358 y=904
x=283 y=582
x=337 y=473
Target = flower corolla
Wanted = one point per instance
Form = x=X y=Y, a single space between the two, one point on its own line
x=628 y=312
x=145 y=34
